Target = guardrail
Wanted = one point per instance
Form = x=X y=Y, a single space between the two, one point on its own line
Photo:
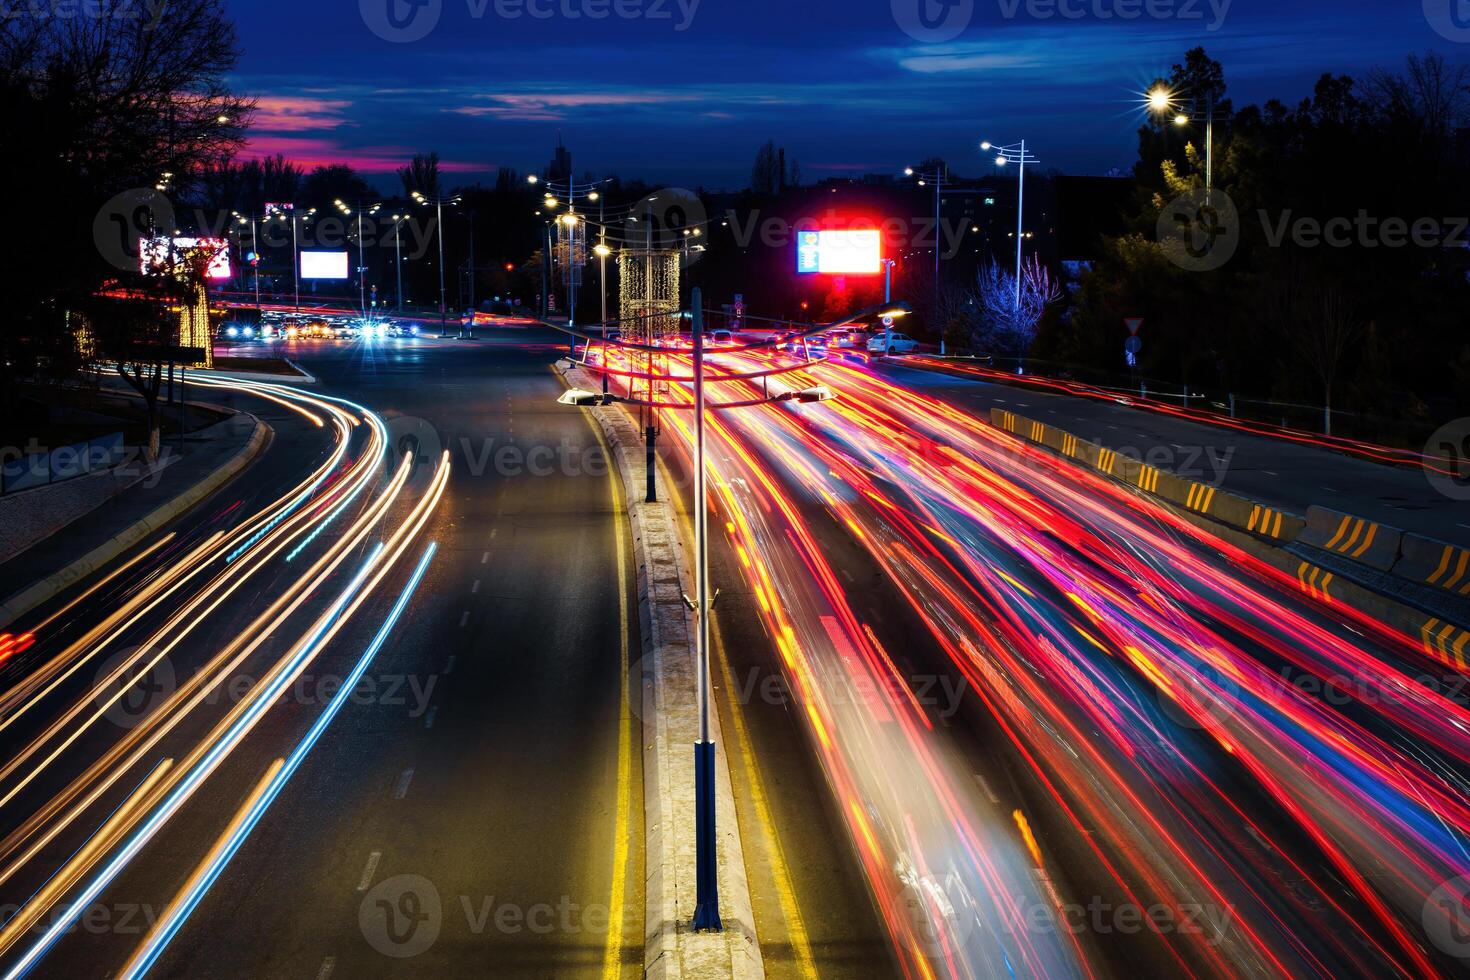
x=31 y=470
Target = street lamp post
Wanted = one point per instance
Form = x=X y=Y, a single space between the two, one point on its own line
x=937 y=178
x=1162 y=100
x=707 y=903
x=438 y=204
x=1016 y=153
x=398 y=220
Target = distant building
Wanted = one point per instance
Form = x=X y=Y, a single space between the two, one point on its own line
x=560 y=167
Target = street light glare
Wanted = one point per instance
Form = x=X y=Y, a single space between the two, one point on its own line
x=1160 y=99
x=908 y=171
x=1000 y=161
x=985 y=145
x=532 y=179
x=1181 y=120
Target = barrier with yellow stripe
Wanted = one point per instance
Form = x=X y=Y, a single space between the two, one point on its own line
x=1453 y=571
x=1446 y=642
x=1315 y=581
x=1197 y=497
x=1358 y=538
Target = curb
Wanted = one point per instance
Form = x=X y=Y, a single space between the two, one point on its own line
x=672 y=950
x=26 y=600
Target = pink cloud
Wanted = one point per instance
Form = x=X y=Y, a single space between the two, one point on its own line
x=297 y=114
x=310 y=152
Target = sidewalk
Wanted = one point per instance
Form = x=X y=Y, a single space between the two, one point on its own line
x=149 y=498
x=1281 y=474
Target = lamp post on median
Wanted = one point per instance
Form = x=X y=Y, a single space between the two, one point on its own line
x=707 y=903
x=1016 y=153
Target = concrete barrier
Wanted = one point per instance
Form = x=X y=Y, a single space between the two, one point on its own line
x=1434 y=563
x=1445 y=642
x=1201 y=498
x=1362 y=540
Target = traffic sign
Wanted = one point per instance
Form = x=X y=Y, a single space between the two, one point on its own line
x=888 y=322
x=1133 y=345
x=1134 y=323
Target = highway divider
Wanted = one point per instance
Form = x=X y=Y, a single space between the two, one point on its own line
x=1358 y=538
x=672 y=949
x=1200 y=498
x=1267 y=531
x=1434 y=563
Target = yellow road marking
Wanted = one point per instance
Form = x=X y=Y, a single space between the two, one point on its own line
x=612 y=954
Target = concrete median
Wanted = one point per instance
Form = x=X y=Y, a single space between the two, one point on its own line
x=1364 y=541
x=672 y=949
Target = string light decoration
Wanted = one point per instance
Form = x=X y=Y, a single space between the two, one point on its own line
x=648 y=307
x=194 y=327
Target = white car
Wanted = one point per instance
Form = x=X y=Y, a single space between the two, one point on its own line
x=896 y=343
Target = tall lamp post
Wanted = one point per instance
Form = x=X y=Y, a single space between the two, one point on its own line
x=937 y=178
x=1162 y=101
x=1016 y=153
x=707 y=898
x=438 y=204
x=398 y=220
x=361 y=213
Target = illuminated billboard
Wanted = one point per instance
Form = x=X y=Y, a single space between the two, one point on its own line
x=323 y=265
x=850 y=252
x=155 y=254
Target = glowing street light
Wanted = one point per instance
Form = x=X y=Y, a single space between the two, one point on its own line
x=1015 y=153
x=1162 y=101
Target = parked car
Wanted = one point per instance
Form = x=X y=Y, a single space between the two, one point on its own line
x=897 y=343
x=722 y=338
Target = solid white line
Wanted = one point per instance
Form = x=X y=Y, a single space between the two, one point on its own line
x=402 y=789
x=369 y=871
x=429 y=718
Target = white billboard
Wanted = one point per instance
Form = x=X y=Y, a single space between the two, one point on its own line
x=323 y=265
x=156 y=256
x=857 y=251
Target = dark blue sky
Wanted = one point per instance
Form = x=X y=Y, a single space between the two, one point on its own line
x=684 y=91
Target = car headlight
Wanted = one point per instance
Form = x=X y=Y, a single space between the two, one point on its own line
x=248 y=332
x=231 y=332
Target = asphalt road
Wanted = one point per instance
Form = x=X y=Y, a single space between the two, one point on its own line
x=1284 y=475
x=466 y=813
x=478 y=769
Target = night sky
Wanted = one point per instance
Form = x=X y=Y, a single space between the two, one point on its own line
x=841 y=84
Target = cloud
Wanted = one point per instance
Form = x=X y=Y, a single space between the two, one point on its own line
x=309 y=152
x=299 y=114
x=552 y=106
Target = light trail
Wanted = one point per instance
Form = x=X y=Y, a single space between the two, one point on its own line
x=1107 y=637
x=216 y=570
